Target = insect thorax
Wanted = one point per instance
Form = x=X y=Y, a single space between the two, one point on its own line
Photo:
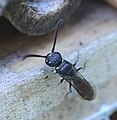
x=66 y=70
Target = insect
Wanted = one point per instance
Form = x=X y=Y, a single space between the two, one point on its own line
x=67 y=71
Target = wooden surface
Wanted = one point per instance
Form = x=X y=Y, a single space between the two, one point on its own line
x=28 y=88
x=112 y=2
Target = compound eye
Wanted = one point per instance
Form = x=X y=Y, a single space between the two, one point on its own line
x=48 y=61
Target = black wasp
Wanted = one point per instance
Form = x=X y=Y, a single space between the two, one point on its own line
x=67 y=70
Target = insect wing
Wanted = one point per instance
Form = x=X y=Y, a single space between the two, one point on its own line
x=84 y=88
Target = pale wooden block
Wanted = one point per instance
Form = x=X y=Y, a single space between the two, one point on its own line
x=112 y=2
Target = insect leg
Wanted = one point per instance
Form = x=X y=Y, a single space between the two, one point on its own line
x=70 y=90
x=76 y=59
x=80 y=68
x=84 y=66
x=75 y=64
x=61 y=81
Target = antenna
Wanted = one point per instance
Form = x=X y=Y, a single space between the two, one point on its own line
x=32 y=55
x=56 y=33
x=55 y=37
